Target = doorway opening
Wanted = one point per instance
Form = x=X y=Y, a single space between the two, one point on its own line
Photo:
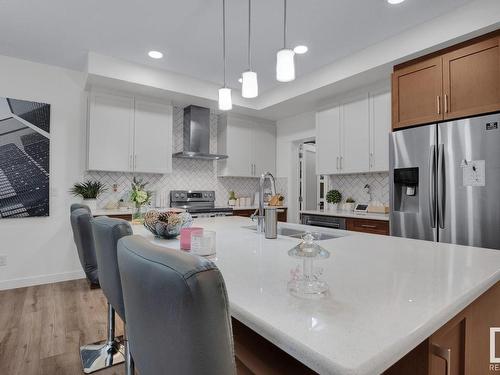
x=311 y=187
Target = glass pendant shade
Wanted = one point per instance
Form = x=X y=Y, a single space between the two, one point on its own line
x=285 y=65
x=250 y=87
x=225 y=101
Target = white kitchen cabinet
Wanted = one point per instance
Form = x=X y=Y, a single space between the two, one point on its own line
x=250 y=145
x=152 y=137
x=380 y=128
x=264 y=142
x=110 y=133
x=328 y=141
x=126 y=134
x=355 y=142
x=352 y=137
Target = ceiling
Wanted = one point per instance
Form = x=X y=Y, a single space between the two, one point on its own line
x=61 y=32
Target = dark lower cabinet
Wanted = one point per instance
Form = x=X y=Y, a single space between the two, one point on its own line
x=461 y=346
x=282 y=213
x=127 y=217
x=368 y=226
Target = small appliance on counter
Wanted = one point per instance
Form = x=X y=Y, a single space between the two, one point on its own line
x=199 y=203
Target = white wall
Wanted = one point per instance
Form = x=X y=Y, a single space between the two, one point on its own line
x=290 y=132
x=41 y=250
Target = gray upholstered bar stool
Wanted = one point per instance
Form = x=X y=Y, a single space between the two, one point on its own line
x=80 y=217
x=177 y=311
x=107 y=232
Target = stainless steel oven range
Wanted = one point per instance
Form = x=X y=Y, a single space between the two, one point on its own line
x=199 y=203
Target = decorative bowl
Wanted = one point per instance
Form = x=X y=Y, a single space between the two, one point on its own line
x=167 y=224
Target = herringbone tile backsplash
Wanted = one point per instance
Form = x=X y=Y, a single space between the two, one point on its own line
x=352 y=185
x=186 y=174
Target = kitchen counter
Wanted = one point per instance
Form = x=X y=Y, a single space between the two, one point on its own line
x=387 y=294
x=340 y=213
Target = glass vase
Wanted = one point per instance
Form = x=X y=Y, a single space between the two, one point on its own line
x=137 y=215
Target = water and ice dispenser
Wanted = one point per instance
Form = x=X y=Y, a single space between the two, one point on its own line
x=406 y=190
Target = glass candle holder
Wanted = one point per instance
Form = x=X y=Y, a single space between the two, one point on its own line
x=203 y=243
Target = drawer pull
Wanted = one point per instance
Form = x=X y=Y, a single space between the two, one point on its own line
x=369 y=226
x=443 y=353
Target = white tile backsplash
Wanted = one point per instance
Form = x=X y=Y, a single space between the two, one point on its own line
x=352 y=185
x=186 y=174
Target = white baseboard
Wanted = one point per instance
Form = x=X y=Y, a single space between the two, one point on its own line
x=42 y=279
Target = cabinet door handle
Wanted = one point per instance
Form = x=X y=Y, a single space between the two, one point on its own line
x=338 y=163
x=341 y=162
x=443 y=353
x=135 y=161
x=438 y=100
x=445 y=103
x=130 y=163
x=368 y=226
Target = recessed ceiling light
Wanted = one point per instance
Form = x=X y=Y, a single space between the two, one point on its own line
x=155 y=54
x=240 y=80
x=393 y=2
x=300 y=50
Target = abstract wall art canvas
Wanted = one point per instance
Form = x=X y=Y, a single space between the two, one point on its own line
x=24 y=158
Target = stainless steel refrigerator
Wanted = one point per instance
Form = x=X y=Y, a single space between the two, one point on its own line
x=445 y=182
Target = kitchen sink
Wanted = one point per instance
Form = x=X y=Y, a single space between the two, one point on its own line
x=298 y=233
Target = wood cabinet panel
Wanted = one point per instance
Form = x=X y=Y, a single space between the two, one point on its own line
x=483 y=314
x=459 y=81
x=282 y=214
x=127 y=217
x=447 y=348
x=416 y=94
x=368 y=226
x=471 y=79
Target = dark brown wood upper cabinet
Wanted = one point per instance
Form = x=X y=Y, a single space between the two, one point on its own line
x=471 y=79
x=417 y=94
x=460 y=81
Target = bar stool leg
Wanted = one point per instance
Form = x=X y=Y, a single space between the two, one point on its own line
x=129 y=361
x=103 y=354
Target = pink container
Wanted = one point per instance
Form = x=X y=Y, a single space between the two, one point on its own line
x=186 y=236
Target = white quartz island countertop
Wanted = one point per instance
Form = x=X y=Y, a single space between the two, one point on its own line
x=387 y=294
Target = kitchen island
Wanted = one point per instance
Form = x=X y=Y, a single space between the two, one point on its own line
x=387 y=295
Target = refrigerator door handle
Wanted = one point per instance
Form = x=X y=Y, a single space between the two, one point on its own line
x=432 y=185
x=441 y=186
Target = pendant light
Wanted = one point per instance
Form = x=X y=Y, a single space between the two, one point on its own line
x=285 y=65
x=225 y=101
x=250 y=87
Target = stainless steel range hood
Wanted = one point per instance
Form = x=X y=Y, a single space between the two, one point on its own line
x=196 y=135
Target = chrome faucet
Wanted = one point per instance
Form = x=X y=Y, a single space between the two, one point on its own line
x=259 y=212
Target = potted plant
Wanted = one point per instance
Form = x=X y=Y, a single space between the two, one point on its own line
x=140 y=197
x=232 y=199
x=89 y=191
x=349 y=204
x=333 y=198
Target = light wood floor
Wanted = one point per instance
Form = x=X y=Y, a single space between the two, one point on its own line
x=42 y=328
